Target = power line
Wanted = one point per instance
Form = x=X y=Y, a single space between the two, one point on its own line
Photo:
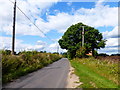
x=32 y=22
x=35 y=25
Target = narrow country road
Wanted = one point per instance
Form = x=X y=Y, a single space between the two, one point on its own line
x=52 y=76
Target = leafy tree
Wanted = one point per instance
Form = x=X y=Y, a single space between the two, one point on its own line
x=81 y=52
x=72 y=39
x=95 y=53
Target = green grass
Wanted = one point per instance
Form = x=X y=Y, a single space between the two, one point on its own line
x=95 y=73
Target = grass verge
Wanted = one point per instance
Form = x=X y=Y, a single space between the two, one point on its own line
x=96 y=73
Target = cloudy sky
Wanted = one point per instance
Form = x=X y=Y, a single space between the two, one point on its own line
x=53 y=17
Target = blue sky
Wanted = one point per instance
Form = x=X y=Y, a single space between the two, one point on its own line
x=53 y=18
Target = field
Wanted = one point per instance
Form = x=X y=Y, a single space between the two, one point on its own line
x=14 y=66
x=97 y=73
x=110 y=58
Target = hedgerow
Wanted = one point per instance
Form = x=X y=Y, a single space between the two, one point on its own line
x=14 y=66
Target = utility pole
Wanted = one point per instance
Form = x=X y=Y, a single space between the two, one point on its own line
x=82 y=36
x=58 y=49
x=13 y=37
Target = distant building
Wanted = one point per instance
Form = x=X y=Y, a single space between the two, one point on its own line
x=90 y=53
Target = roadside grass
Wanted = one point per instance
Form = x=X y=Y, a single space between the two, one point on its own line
x=96 y=73
x=14 y=66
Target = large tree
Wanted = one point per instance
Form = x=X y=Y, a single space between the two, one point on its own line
x=72 y=39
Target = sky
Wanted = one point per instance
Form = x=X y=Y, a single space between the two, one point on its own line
x=53 y=17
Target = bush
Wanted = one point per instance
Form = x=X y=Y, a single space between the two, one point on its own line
x=26 y=62
x=6 y=52
x=81 y=52
x=95 y=53
x=65 y=54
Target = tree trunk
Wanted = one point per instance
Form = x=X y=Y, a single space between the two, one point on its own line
x=93 y=52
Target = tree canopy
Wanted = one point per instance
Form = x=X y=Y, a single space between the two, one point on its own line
x=72 y=39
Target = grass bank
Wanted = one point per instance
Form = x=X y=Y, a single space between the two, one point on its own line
x=14 y=66
x=95 y=73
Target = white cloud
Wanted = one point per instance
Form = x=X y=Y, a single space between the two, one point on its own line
x=54 y=47
x=40 y=45
x=98 y=17
x=94 y=17
x=6 y=43
x=69 y=3
x=99 y=3
x=112 y=46
x=110 y=50
x=111 y=34
x=33 y=9
x=59 y=22
x=112 y=42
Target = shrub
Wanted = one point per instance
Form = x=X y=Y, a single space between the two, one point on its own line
x=6 y=52
x=26 y=62
x=65 y=54
x=95 y=53
x=81 y=52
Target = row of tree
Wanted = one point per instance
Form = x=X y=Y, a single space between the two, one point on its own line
x=8 y=52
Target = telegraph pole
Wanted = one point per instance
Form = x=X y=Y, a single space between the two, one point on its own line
x=82 y=36
x=58 y=49
x=13 y=37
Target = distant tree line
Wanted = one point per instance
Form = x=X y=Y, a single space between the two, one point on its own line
x=104 y=54
x=8 y=52
x=101 y=54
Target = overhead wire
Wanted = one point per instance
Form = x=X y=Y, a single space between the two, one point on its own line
x=32 y=22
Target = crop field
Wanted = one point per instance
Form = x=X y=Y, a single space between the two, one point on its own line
x=100 y=72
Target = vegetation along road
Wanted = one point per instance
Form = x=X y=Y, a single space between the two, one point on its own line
x=52 y=76
x=96 y=73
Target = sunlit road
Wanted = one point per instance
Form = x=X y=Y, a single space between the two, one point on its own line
x=52 y=76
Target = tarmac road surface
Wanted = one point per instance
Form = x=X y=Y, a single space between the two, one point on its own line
x=53 y=76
